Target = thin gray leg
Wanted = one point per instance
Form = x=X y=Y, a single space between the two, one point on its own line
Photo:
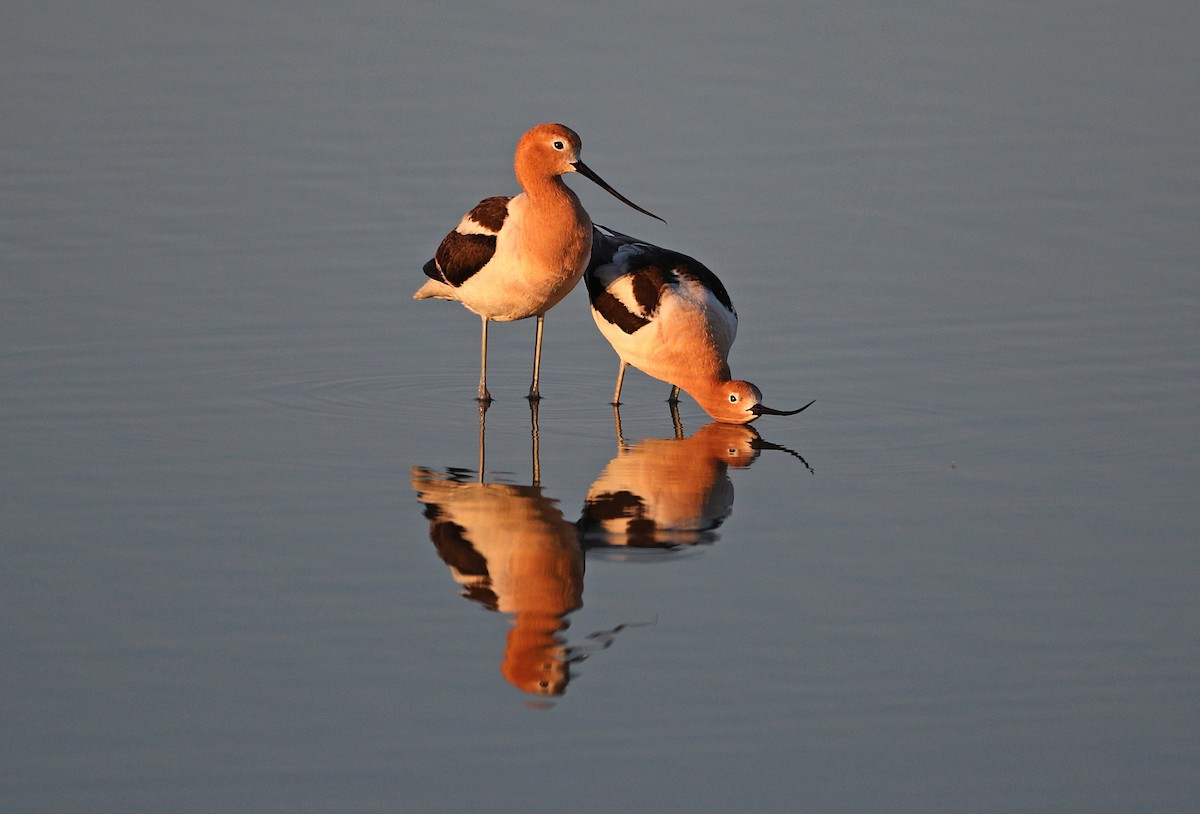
x=534 y=395
x=620 y=380
x=484 y=396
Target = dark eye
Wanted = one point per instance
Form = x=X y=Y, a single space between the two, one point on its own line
x=733 y=398
x=558 y=145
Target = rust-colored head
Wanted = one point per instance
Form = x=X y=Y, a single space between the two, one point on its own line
x=739 y=402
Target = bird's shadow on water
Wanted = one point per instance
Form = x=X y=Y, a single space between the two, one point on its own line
x=511 y=549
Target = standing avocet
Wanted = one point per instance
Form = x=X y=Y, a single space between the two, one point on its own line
x=514 y=258
x=670 y=317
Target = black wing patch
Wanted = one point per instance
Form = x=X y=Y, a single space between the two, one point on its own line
x=491 y=212
x=647 y=283
x=651 y=269
x=461 y=255
x=615 y=312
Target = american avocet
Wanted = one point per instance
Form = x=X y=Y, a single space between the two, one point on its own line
x=667 y=315
x=514 y=258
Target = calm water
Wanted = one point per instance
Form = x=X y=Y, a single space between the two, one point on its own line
x=248 y=560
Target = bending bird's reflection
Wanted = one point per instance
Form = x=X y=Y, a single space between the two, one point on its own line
x=666 y=493
x=669 y=492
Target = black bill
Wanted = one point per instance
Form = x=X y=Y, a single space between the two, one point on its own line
x=586 y=172
x=762 y=409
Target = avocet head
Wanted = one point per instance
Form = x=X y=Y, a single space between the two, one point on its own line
x=740 y=402
x=554 y=150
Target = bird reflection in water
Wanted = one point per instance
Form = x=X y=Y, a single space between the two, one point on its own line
x=669 y=493
x=511 y=550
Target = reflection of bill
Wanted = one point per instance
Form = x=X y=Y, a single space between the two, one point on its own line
x=512 y=551
x=669 y=492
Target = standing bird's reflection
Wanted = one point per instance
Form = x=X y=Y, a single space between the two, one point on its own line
x=668 y=492
x=512 y=551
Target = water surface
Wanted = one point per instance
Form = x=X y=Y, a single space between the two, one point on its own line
x=967 y=231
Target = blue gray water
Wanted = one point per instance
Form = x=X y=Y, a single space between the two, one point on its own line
x=239 y=503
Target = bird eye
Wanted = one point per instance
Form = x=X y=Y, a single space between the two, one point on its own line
x=558 y=145
x=733 y=397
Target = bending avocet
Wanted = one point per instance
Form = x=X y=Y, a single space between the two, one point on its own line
x=670 y=317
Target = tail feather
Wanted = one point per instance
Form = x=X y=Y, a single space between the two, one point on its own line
x=435 y=289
